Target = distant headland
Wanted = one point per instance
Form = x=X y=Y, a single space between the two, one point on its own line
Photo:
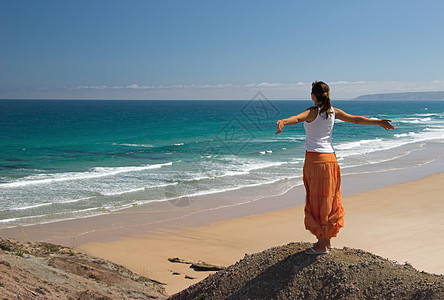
x=438 y=95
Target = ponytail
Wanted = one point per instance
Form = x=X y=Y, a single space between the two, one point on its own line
x=322 y=92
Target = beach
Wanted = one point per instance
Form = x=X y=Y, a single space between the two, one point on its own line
x=400 y=221
x=87 y=160
x=204 y=196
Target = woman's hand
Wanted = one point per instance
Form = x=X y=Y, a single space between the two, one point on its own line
x=384 y=123
x=280 y=125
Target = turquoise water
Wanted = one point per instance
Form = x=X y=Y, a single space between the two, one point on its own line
x=68 y=159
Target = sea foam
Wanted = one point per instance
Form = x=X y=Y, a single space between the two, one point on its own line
x=69 y=176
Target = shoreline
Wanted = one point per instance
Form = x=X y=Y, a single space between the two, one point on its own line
x=203 y=232
x=409 y=156
x=214 y=207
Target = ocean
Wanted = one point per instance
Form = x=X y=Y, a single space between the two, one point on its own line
x=64 y=159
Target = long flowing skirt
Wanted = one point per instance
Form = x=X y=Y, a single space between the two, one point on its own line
x=324 y=213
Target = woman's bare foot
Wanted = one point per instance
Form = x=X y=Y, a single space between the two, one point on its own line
x=322 y=245
x=313 y=251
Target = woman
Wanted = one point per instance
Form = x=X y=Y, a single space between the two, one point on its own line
x=324 y=213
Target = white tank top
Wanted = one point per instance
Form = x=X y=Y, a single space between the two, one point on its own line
x=318 y=133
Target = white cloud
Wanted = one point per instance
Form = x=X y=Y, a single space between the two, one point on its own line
x=93 y=87
x=275 y=85
x=175 y=86
x=272 y=90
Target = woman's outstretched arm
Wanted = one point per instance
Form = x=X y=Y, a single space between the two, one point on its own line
x=341 y=115
x=303 y=116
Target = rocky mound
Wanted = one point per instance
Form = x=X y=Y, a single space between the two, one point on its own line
x=47 y=271
x=286 y=272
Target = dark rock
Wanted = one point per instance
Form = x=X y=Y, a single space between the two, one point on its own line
x=197 y=266
x=203 y=266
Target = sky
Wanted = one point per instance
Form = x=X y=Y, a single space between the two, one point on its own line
x=105 y=49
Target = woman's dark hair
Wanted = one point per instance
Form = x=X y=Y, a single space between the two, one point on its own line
x=322 y=92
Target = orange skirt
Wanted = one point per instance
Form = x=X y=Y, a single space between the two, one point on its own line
x=324 y=213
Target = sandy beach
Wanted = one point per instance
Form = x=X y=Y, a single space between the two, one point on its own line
x=392 y=212
x=401 y=222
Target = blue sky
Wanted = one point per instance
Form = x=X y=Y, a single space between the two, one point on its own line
x=218 y=49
